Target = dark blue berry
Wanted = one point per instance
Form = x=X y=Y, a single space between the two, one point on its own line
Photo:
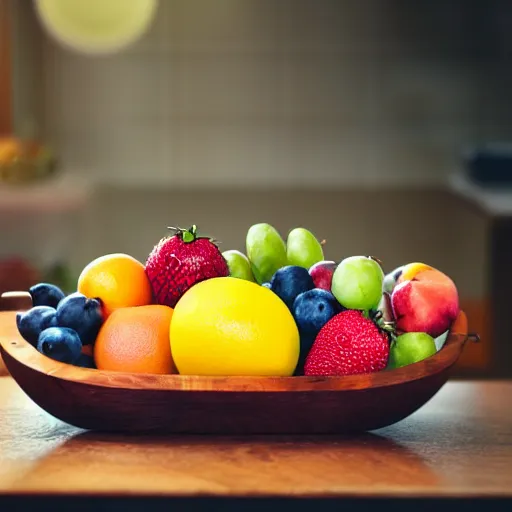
x=289 y=282
x=61 y=344
x=45 y=294
x=312 y=310
x=34 y=321
x=81 y=314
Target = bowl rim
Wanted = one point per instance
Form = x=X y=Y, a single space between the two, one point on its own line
x=17 y=351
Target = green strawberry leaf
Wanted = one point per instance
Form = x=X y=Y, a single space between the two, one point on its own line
x=188 y=236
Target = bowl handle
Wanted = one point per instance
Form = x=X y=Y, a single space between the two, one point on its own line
x=15 y=301
x=474 y=337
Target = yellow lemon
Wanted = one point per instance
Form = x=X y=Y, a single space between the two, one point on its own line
x=229 y=326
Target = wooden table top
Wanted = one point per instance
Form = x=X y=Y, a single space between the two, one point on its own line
x=458 y=445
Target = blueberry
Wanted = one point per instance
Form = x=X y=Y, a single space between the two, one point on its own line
x=83 y=315
x=61 y=344
x=85 y=361
x=34 y=321
x=44 y=294
x=289 y=282
x=312 y=310
x=266 y=285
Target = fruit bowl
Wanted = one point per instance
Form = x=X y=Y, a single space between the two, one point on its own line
x=185 y=404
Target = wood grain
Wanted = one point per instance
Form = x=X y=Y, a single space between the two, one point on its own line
x=12 y=301
x=124 y=402
x=458 y=445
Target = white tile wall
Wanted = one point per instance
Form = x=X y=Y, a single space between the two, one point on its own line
x=275 y=93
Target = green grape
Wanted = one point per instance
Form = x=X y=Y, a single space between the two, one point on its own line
x=357 y=283
x=410 y=348
x=266 y=251
x=239 y=265
x=303 y=249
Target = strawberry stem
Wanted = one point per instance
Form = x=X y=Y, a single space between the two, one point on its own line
x=191 y=234
x=187 y=235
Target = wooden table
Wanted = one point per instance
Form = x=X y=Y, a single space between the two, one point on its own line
x=458 y=446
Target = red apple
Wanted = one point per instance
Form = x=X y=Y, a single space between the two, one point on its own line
x=428 y=302
x=321 y=273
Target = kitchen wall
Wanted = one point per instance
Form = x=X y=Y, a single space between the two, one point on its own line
x=289 y=92
x=27 y=70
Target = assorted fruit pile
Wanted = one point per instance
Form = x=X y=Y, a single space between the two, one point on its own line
x=24 y=160
x=281 y=309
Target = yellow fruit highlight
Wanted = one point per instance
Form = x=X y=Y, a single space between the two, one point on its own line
x=229 y=326
x=411 y=270
x=119 y=280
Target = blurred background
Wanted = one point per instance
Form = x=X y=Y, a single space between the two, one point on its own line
x=380 y=125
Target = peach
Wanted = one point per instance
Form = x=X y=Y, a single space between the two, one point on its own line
x=411 y=270
x=429 y=302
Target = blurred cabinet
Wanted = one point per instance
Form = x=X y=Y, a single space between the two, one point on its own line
x=5 y=69
x=21 y=70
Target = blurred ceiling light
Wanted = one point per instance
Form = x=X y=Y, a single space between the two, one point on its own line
x=96 y=26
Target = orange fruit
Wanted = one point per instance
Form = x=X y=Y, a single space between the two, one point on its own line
x=118 y=280
x=136 y=339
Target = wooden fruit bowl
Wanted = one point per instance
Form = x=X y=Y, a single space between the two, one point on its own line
x=137 y=403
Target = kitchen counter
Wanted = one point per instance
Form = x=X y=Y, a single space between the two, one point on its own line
x=493 y=201
x=61 y=194
x=458 y=447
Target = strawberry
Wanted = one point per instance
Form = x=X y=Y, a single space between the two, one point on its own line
x=178 y=262
x=348 y=344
